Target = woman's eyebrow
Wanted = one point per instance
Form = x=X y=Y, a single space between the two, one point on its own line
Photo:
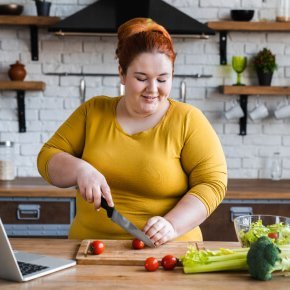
x=141 y=73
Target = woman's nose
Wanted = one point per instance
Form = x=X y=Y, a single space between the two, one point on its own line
x=152 y=86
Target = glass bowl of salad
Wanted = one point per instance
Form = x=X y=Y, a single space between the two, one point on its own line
x=251 y=227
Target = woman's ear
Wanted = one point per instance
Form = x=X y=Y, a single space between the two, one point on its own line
x=122 y=76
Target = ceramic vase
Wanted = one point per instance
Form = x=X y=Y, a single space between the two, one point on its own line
x=17 y=72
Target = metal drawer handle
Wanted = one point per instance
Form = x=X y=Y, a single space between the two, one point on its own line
x=237 y=211
x=28 y=212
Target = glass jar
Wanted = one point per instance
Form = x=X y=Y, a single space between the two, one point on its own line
x=276 y=166
x=7 y=168
x=283 y=13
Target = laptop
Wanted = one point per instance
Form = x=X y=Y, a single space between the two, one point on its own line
x=22 y=266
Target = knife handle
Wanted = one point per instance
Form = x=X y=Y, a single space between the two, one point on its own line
x=105 y=205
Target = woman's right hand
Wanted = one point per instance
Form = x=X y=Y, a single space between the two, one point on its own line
x=92 y=185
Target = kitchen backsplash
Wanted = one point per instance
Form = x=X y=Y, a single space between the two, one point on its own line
x=247 y=156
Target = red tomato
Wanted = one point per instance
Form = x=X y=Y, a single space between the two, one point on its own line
x=273 y=236
x=97 y=247
x=137 y=244
x=151 y=264
x=168 y=262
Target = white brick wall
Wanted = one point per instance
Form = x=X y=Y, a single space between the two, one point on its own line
x=247 y=156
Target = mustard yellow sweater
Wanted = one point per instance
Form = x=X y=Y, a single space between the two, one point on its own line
x=147 y=172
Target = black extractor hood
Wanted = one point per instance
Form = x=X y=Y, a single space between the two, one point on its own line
x=105 y=16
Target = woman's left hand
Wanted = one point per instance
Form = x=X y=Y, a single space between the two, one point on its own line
x=159 y=230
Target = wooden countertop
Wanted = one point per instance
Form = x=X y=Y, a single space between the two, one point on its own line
x=237 y=188
x=131 y=277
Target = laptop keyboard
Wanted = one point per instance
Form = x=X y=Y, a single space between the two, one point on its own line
x=27 y=268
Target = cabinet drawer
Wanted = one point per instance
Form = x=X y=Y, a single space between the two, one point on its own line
x=37 y=216
x=220 y=227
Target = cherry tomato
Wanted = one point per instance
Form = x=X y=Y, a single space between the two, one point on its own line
x=168 y=262
x=273 y=236
x=137 y=244
x=97 y=247
x=151 y=264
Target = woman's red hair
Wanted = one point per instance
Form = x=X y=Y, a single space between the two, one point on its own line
x=140 y=35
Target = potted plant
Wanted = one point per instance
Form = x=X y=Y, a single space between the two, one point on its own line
x=265 y=64
x=42 y=7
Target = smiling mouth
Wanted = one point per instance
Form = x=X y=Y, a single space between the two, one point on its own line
x=149 y=97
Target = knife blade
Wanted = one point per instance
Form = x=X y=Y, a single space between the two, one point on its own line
x=123 y=222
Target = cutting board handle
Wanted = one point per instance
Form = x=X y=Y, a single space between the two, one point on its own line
x=105 y=205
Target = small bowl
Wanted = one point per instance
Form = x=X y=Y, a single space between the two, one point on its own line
x=275 y=227
x=11 y=9
x=242 y=15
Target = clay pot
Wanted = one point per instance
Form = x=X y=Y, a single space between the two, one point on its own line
x=17 y=71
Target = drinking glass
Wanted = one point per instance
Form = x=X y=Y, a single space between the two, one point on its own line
x=239 y=64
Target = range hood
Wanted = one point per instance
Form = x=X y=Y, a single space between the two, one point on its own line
x=105 y=16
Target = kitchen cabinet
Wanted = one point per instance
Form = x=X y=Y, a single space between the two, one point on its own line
x=33 y=22
x=31 y=207
x=262 y=195
x=220 y=226
x=254 y=196
x=20 y=87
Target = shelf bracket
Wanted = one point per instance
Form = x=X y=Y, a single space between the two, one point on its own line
x=34 y=42
x=21 y=110
x=223 y=47
x=243 y=120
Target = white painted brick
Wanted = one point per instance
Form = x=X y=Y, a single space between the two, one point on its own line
x=30 y=149
x=71 y=104
x=250 y=4
x=27 y=171
x=51 y=115
x=253 y=163
x=111 y=68
x=277 y=129
x=243 y=173
x=220 y=3
x=234 y=163
x=82 y=58
x=278 y=37
x=286 y=140
x=31 y=114
x=263 y=140
x=203 y=14
x=62 y=68
x=228 y=140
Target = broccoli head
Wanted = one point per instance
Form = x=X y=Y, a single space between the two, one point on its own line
x=264 y=257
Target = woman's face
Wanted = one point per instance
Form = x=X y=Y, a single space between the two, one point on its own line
x=147 y=83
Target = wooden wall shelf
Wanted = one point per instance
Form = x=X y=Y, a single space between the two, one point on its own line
x=245 y=91
x=255 y=90
x=249 y=26
x=33 y=22
x=24 y=86
x=28 y=20
x=20 y=88
x=223 y=27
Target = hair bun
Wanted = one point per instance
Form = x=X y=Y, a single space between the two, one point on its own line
x=137 y=25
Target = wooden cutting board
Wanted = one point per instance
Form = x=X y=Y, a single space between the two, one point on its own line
x=121 y=252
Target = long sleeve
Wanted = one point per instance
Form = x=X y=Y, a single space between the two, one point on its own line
x=203 y=160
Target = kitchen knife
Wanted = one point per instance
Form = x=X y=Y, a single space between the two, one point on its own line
x=117 y=218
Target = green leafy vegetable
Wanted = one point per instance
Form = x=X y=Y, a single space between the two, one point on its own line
x=264 y=257
x=257 y=230
x=198 y=261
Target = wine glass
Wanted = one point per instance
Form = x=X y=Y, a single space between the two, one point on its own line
x=239 y=64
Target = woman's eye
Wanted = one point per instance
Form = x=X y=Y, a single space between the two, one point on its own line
x=161 y=81
x=141 y=80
